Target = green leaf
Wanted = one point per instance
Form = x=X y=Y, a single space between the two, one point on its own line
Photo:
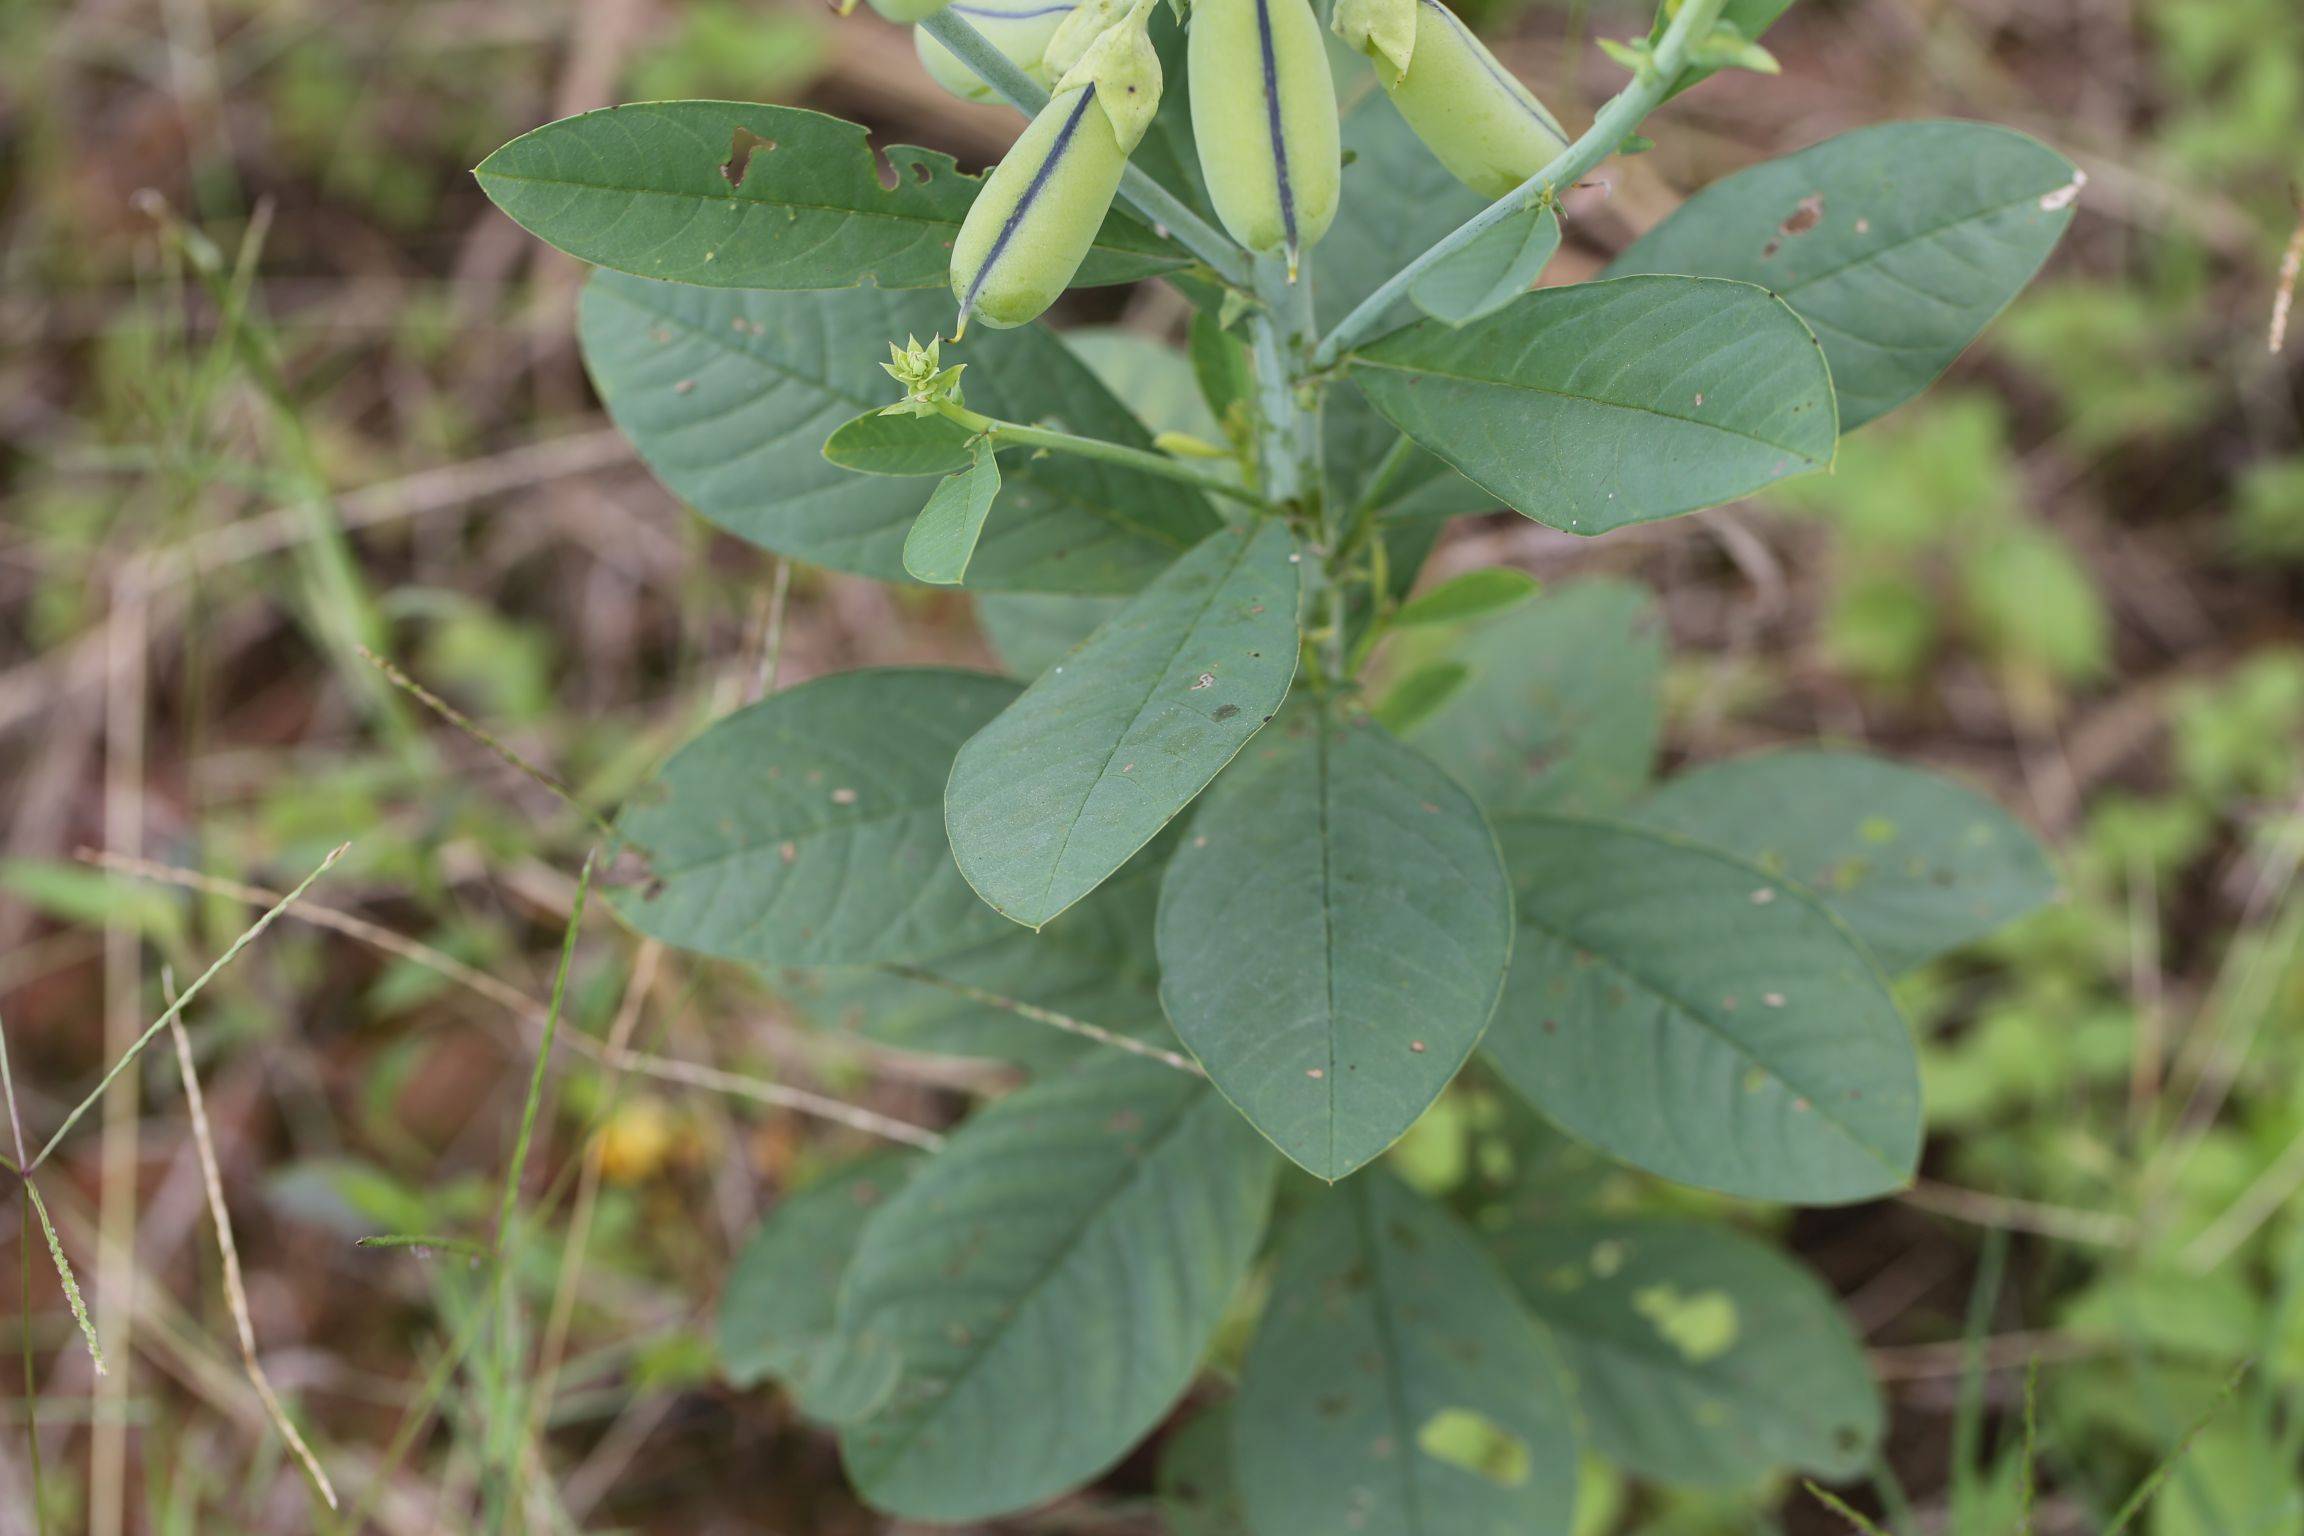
x=1492 y=271
x=1107 y=746
x=1562 y=710
x=1333 y=936
x=1697 y=1017
x=1199 y=1492
x=944 y=538
x=910 y=447
x=1473 y=595
x=729 y=397
x=1700 y=1356
x=1219 y=365
x=1049 y=1282
x=1032 y=631
x=1396 y=201
x=808 y=829
x=1414 y=699
x=1396 y=1386
x=1898 y=243
x=777 y=1311
x=1592 y=407
x=1914 y=864
x=731 y=195
x=1095 y=963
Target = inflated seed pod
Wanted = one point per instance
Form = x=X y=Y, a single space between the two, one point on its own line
x=1264 y=113
x=1037 y=217
x=1020 y=29
x=1475 y=116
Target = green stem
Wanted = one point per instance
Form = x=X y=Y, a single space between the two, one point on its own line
x=1014 y=434
x=1281 y=331
x=1609 y=129
x=1155 y=202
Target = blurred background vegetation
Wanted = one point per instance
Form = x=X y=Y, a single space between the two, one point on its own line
x=276 y=385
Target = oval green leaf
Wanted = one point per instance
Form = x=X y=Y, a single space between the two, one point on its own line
x=877 y=443
x=1696 y=1016
x=1108 y=745
x=1333 y=935
x=1898 y=243
x=1049 y=1282
x=729 y=397
x=777 y=1312
x=1492 y=271
x=1396 y=1386
x=729 y=194
x=1914 y=864
x=807 y=830
x=1595 y=406
x=944 y=537
x=1562 y=707
x=1700 y=1355
x=1473 y=595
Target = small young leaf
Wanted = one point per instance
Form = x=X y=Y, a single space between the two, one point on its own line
x=1048 y=1283
x=732 y=195
x=876 y=443
x=1413 y=699
x=1595 y=406
x=1916 y=865
x=1220 y=364
x=1333 y=935
x=1898 y=243
x=1700 y=1018
x=1562 y=708
x=938 y=548
x=1473 y=595
x=1106 y=746
x=1396 y=1386
x=808 y=830
x=729 y=397
x=1700 y=1355
x=777 y=1311
x=1492 y=271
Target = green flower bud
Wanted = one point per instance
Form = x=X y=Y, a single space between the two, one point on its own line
x=1264 y=113
x=1020 y=29
x=1478 y=120
x=1076 y=33
x=1031 y=226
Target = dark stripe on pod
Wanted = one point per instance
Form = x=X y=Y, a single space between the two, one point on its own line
x=1017 y=214
x=1512 y=86
x=1272 y=122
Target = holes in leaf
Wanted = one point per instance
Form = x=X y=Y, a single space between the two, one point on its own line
x=741 y=146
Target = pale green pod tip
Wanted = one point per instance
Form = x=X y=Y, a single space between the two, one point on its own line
x=1123 y=69
x=1475 y=116
x=1020 y=29
x=1036 y=218
x=1078 y=32
x=1264 y=115
x=1384 y=30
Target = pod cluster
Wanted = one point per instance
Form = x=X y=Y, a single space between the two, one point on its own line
x=1263 y=116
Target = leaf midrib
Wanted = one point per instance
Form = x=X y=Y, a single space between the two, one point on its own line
x=1362 y=360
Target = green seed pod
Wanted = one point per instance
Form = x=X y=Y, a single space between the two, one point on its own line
x=1031 y=226
x=1264 y=113
x=1020 y=29
x=1478 y=120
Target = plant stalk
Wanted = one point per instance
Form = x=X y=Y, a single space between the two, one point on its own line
x=1015 y=434
x=1610 y=128
x=1137 y=188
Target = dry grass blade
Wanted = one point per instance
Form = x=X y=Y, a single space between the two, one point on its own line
x=2284 y=296
x=1051 y=1018
x=174 y=1009
x=529 y=1011
x=236 y=1293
